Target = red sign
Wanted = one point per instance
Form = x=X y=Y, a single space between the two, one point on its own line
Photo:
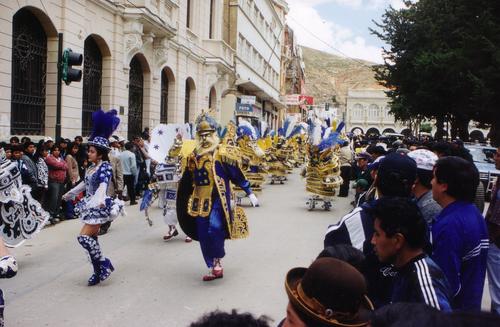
x=305 y=99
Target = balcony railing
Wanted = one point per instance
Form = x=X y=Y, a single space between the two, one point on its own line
x=158 y=12
x=219 y=49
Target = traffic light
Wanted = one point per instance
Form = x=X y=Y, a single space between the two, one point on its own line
x=69 y=59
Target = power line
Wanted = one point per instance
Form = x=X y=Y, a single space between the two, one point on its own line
x=328 y=44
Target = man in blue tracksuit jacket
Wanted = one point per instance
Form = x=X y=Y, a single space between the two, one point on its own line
x=399 y=238
x=396 y=176
x=459 y=235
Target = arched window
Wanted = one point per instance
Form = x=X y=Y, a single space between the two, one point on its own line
x=373 y=111
x=357 y=111
x=29 y=71
x=135 y=98
x=189 y=99
x=164 y=97
x=372 y=132
x=212 y=99
x=92 y=83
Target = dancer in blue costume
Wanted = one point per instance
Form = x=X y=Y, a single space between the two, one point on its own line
x=205 y=201
x=21 y=217
x=97 y=207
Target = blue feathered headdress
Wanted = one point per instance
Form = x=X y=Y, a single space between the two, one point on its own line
x=298 y=129
x=103 y=126
x=329 y=141
x=245 y=128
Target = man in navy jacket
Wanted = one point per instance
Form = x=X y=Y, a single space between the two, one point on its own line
x=459 y=235
x=399 y=238
x=395 y=177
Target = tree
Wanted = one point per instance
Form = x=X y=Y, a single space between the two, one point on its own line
x=443 y=63
x=426 y=127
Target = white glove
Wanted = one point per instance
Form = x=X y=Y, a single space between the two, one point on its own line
x=68 y=196
x=254 y=200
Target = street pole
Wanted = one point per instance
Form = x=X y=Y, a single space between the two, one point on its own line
x=59 y=86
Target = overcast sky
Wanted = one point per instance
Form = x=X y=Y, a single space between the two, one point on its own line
x=342 y=24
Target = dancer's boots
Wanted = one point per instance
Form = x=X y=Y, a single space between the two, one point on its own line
x=102 y=266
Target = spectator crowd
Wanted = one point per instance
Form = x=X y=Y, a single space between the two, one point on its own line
x=51 y=168
x=414 y=251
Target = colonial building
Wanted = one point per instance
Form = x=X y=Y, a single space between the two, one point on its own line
x=152 y=60
x=367 y=112
x=254 y=28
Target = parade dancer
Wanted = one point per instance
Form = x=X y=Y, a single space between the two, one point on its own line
x=168 y=175
x=205 y=199
x=97 y=207
x=8 y=269
x=21 y=217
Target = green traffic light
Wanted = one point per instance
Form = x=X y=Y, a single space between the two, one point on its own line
x=69 y=59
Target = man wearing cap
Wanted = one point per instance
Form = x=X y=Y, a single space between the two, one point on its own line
x=63 y=145
x=395 y=177
x=362 y=172
x=48 y=142
x=422 y=190
x=330 y=292
x=399 y=239
x=362 y=161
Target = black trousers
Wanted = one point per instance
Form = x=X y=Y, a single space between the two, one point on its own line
x=128 y=180
x=345 y=173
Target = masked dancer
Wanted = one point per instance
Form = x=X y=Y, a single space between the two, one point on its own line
x=205 y=201
x=21 y=217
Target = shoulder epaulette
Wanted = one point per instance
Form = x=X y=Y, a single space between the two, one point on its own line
x=229 y=154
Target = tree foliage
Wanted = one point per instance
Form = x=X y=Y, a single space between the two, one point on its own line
x=443 y=62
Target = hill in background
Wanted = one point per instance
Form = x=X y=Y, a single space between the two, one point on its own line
x=328 y=75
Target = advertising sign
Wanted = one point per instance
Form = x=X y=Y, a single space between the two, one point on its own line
x=305 y=99
x=242 y=108
x=290 y=99
x=247 y=99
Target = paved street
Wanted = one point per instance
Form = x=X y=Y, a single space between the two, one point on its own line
x=158 y=283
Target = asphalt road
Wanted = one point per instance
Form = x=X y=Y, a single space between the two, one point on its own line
x=158 y=283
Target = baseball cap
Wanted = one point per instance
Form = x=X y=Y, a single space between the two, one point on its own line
x=114 y=138
x=425 y=159
x=395 y=163
x=363 y=183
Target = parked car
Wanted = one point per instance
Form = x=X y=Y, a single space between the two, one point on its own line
x=483 y=157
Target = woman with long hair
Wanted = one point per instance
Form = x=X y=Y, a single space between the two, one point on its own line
x=73 y=177
x=42 y=178
x=71 y=161
x=57 y=177
x=97 y=208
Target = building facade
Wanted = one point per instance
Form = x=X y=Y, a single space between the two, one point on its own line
x=154 y=61
x=293 y=71
x=367 y=112
x=253 y=28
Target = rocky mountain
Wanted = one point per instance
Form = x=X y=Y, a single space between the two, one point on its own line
x=328 y=75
